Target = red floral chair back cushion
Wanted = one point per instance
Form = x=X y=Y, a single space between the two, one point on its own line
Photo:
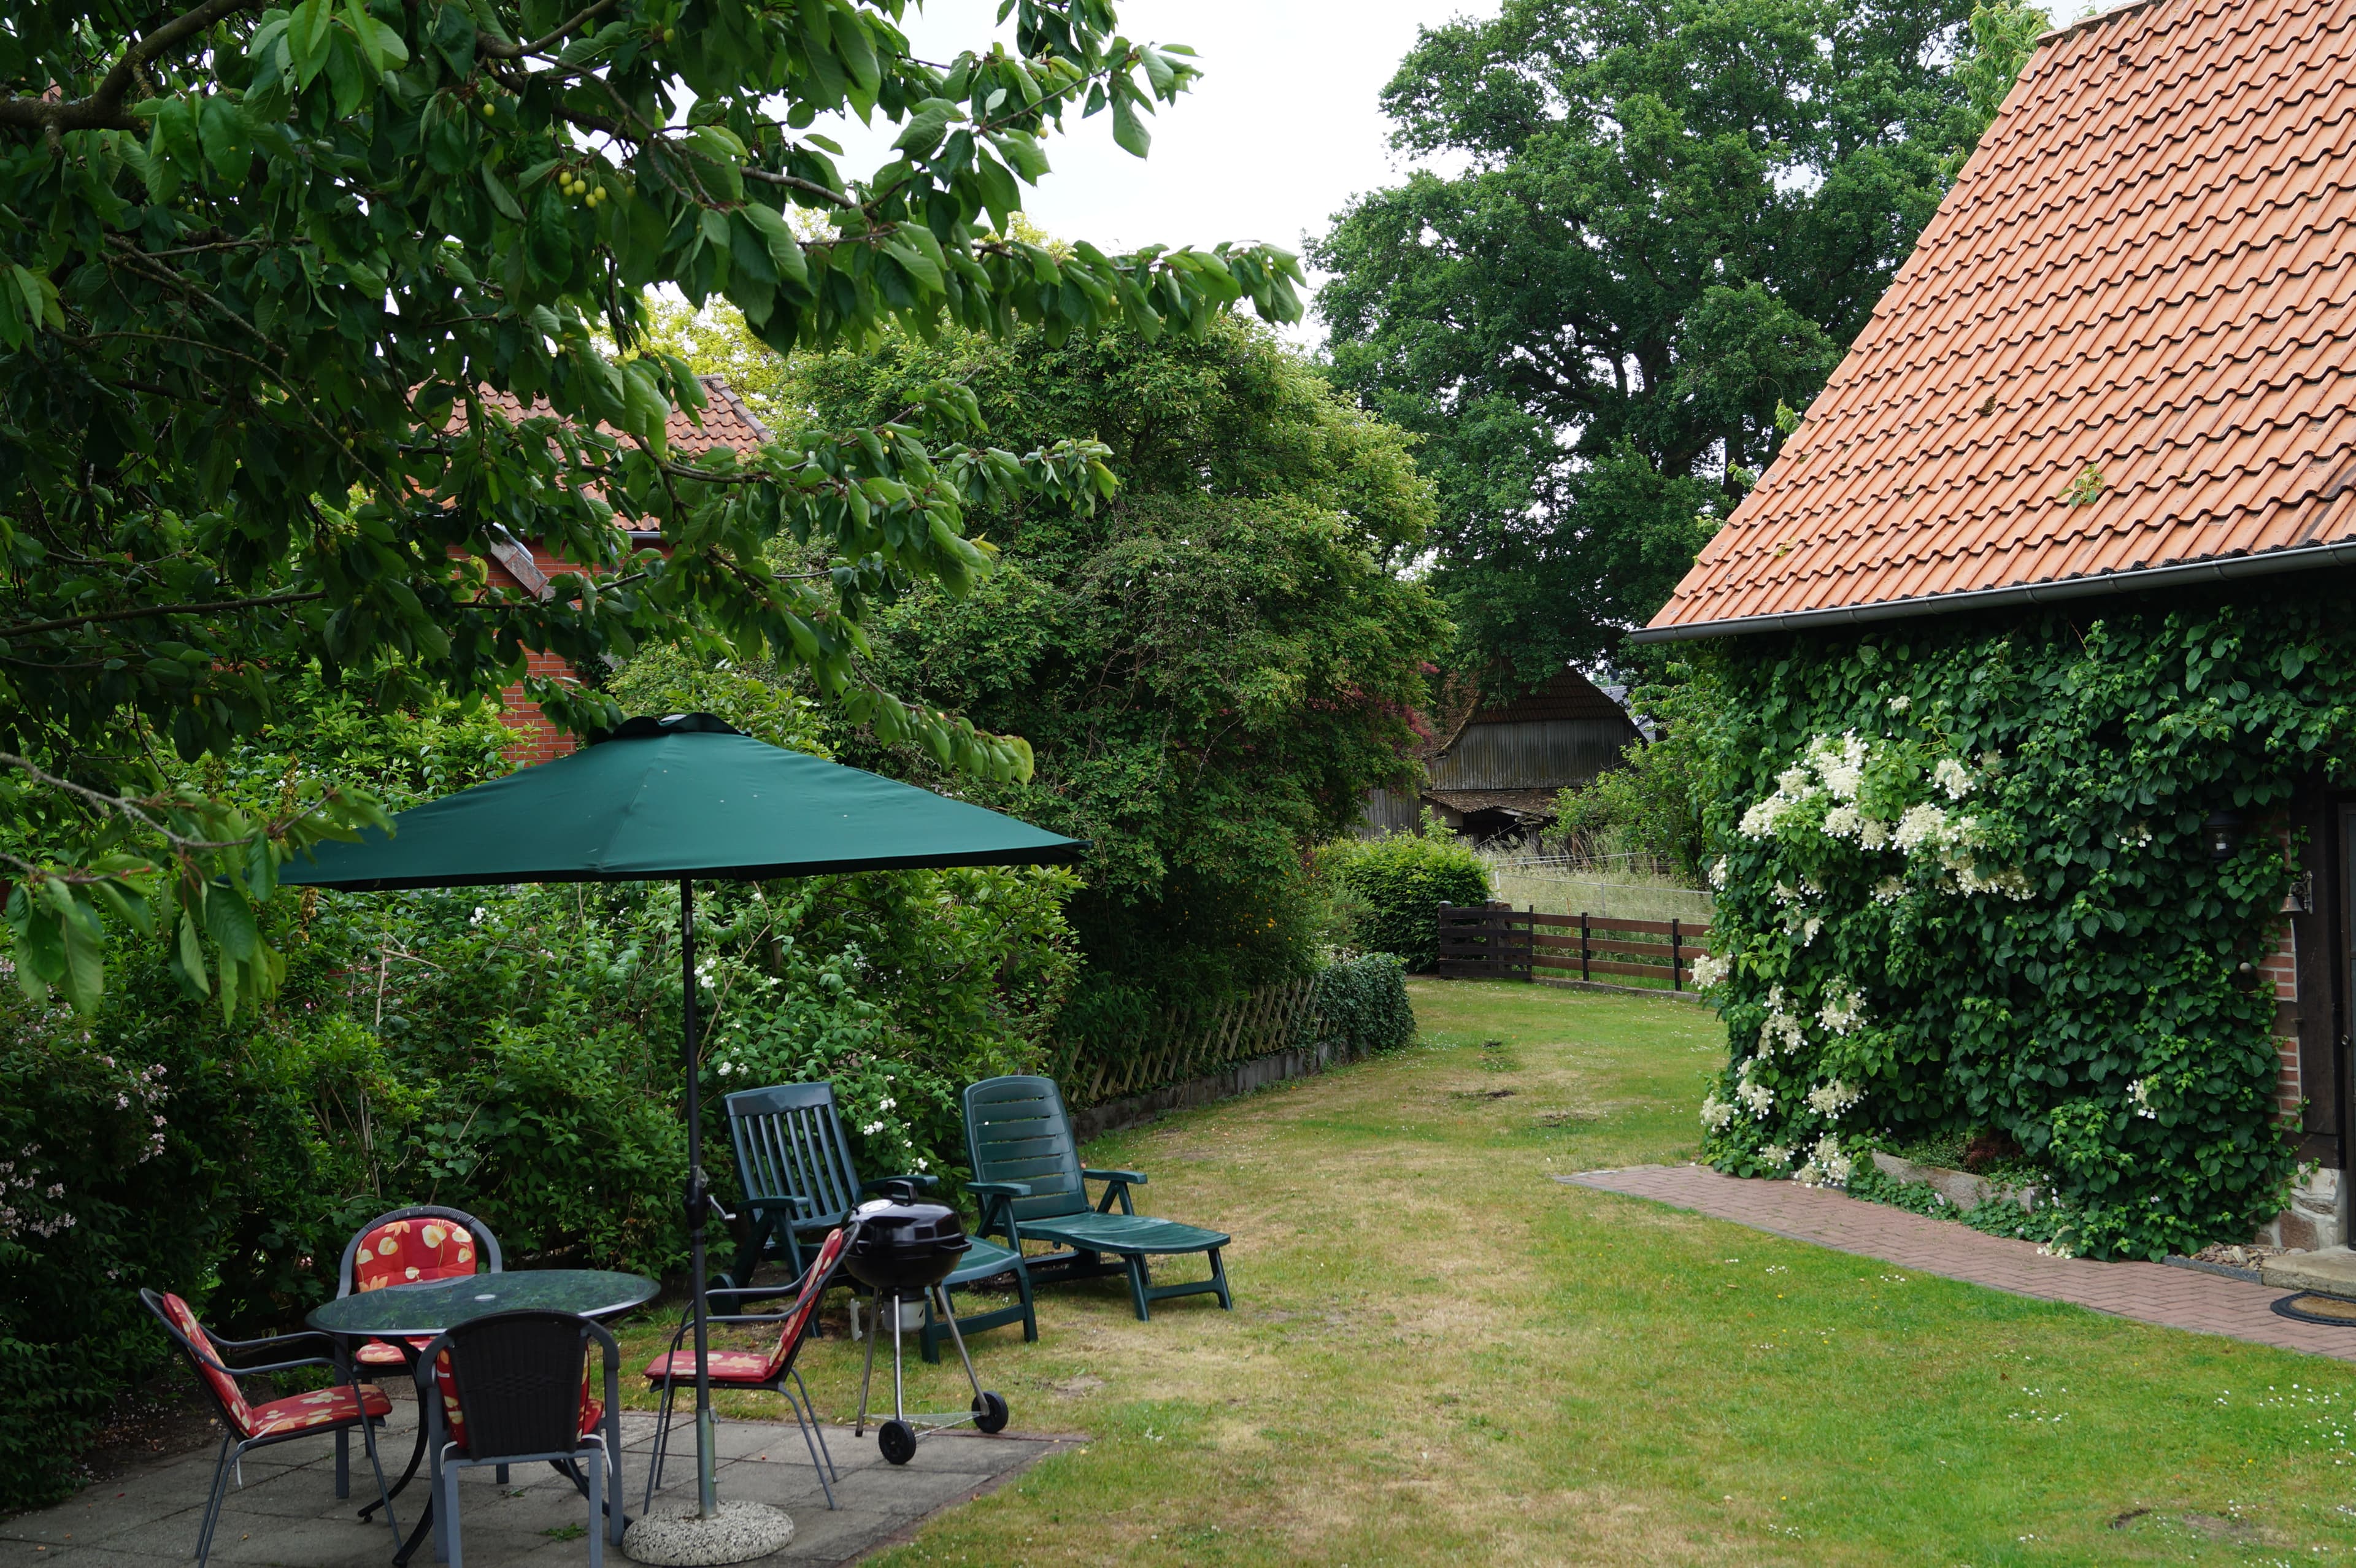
x=232 y=1398
x=813 y=1286
x=404 y=1252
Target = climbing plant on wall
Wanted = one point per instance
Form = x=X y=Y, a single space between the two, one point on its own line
x=1964 y=881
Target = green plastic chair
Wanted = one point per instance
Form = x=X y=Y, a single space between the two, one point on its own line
x=795 y=1166
x=1028 y=1175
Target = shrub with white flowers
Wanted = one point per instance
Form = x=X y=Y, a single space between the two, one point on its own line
x=1962 y=885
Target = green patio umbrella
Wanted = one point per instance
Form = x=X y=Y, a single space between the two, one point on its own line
x=686 y=798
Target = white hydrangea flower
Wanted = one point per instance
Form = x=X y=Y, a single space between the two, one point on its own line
x=2139 y=1097
x=1890 y=889
x=1900 y=703
x=1843 y=822
x=1718 y=872
x=1715 y=1113
x=2009 y=881
x=1808 y=929
x=1825 y=1167
x=1844 y=1009
x=1709 y=970
x=1831 y=1099
x=1840 y=763
x=1792 y=782
x=1782 y=1031
x=1760 y=821
x=1775 y=1154
x=1922 y=827
x=1953 y=777
x=1785 y=894
x=1872 y=832
x=1756 y=1098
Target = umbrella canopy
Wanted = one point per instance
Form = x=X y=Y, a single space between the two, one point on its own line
x=686 y=798
x=664 y=799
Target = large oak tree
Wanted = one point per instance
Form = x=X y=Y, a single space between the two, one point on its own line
x=1670 y=217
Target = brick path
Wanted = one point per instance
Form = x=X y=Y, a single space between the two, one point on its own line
x=2149 y=1293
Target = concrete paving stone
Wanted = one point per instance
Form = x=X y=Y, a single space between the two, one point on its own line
x=910 y=1494
x=2145 y=1292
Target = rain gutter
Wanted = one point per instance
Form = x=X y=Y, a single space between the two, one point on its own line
x=2224 y=569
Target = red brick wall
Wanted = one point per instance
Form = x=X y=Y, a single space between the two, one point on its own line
x=2279 y=969
x=536 y=740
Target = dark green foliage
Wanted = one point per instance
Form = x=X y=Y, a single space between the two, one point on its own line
x=1402 y=880
x=1670 y=219
x=1362 y=1003
x=304 y=310
x=1212 y=668
x=1654 y=801
x=2057 y=956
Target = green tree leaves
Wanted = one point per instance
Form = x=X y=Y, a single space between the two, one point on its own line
x=304 y=309
x=1670 y=220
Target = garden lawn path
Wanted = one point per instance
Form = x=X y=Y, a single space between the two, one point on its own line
x=1440 y=1355
x=2171 y=1297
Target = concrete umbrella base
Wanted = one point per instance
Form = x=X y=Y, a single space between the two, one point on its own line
x=672 y=1535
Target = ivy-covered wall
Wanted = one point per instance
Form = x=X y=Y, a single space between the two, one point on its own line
x=1964 y=884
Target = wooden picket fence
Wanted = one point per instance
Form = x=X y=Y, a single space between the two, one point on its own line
x=1498 y=941
x=1186 y=1045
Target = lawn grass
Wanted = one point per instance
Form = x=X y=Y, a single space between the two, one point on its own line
x=1438 y=1355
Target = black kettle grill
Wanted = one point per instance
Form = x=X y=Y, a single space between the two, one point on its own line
x=902 y=1249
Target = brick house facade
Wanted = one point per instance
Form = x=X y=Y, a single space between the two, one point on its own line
x=525 y=566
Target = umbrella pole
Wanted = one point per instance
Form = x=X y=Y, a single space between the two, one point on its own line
x=698 y=1203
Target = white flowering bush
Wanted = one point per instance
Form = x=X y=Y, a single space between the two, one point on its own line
x=1962 y=886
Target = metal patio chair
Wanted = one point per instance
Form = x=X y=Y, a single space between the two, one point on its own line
x=247 y=1426
x=511 y=1389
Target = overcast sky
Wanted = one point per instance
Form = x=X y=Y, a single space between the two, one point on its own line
x=1283 y=129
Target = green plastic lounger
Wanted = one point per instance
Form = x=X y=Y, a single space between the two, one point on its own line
x=795 y=1165
x=1028 y=1176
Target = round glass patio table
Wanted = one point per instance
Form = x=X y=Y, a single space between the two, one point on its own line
x=421 y=1311
x=400 y=1313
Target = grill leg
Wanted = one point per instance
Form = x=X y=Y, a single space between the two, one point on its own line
x=899 y=1397
x=958 y=1339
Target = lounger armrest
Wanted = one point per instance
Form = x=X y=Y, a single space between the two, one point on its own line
x=1117 y=1186
x=998 y=1208
x=790 y=1204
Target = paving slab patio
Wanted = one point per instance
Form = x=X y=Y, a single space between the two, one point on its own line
x=286 y=1512
x=2150 y=1293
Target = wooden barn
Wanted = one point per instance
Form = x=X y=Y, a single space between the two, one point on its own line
x=1495 y=772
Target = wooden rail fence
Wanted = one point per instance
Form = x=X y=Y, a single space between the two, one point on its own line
x=1498 y=941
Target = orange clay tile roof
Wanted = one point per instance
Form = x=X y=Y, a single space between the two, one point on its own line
x=2141 y=290
x=726 y=420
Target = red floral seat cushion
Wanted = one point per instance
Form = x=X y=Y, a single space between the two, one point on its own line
x=232 y=1398
x=377 y=1353
x=338 y=1406
x=749 y=1368
x=406 y=1252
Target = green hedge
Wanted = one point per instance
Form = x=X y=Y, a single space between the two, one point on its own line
x=1400 y=881
x=1362 y=1003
